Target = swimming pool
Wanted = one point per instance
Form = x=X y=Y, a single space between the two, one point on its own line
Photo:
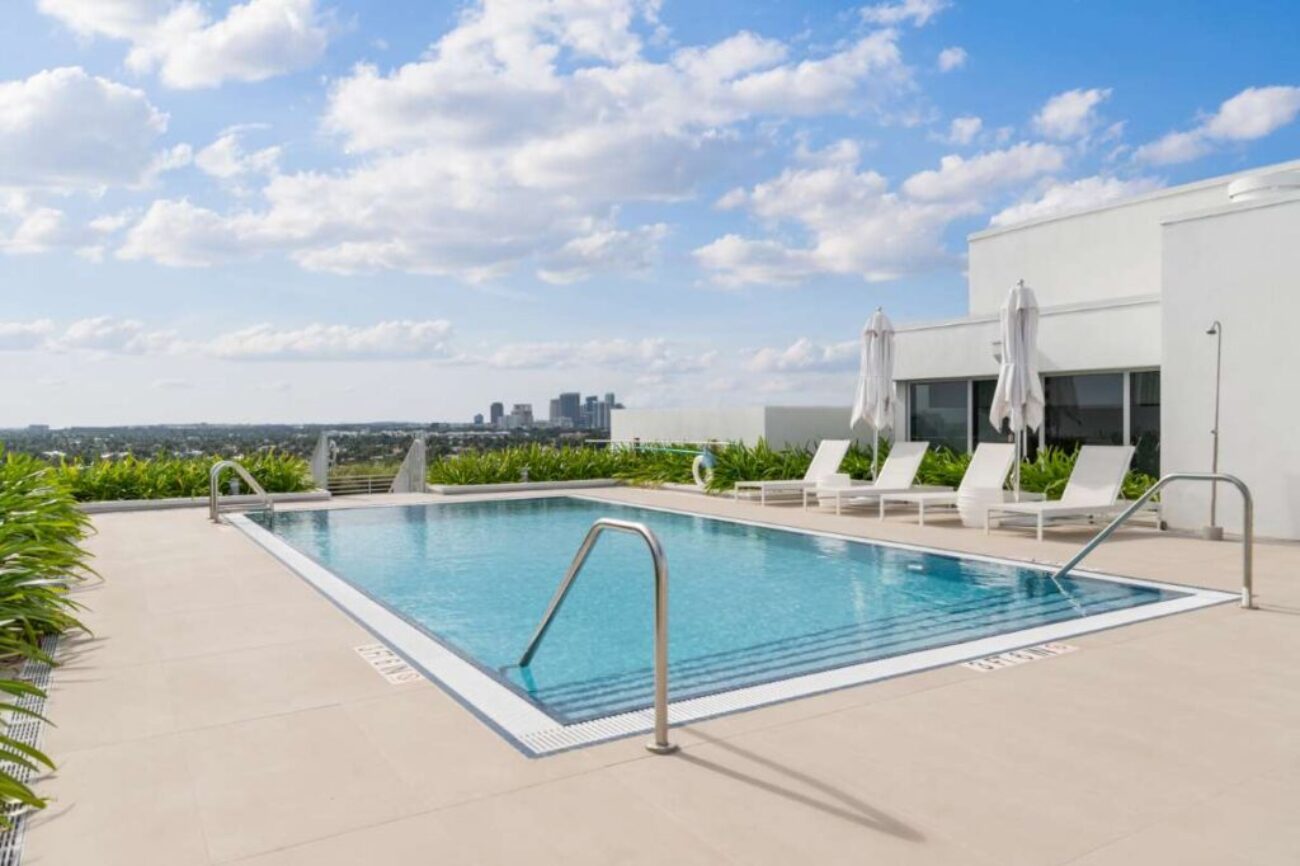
x=757 y=613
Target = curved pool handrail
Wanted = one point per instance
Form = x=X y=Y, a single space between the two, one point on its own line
x=214 y=492
x=660 y=744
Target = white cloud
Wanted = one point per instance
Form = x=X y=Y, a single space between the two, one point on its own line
x=17 y=336
x=319 y=342
x=963 y=130
x=958 y=178
x=65 y=129
x=855 y=226
x=1059 y=197
x=805 y=355
x=918 y=12
x=255 y=40
x=111 y=335
x=40 y=230
x=226 y=158
x=1072 y=114
x=495 y=151
x=650 y=355
x=952 y=58
x=1253 y=113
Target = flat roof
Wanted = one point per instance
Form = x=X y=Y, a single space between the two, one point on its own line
x=1167 y=192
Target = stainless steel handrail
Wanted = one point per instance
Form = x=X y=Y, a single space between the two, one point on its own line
x=660 y=744
x=214 y=494
x=1247 y=526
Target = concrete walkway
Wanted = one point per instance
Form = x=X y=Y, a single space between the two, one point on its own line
x=221 y=715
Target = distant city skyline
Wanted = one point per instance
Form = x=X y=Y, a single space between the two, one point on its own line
x=409 y=205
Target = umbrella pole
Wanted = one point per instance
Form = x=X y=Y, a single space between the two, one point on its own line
x=1020 y=449
x=875 y=452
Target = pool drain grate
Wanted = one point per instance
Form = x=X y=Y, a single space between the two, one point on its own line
x=28 y=732
x=389 y=664
x=1018 y=657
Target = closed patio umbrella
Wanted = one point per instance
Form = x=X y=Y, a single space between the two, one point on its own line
x=874 y=401
x=1019 y=396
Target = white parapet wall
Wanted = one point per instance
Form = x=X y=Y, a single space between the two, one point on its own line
x=1239 y=264
x=781 y=426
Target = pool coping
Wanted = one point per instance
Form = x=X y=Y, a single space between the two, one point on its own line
x=535 y=733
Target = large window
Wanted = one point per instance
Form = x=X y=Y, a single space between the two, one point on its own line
x=1144 y=420
x=938 y=414
x=984 y=390
x=1084 y=410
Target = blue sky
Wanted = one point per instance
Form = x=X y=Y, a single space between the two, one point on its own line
x=315 y=210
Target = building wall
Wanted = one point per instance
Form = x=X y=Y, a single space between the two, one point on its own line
x=1122 y=334
x=1240 y=265
x=781 y=426
x=1108 y=253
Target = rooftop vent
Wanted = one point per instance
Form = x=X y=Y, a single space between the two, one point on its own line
x=1267 y=185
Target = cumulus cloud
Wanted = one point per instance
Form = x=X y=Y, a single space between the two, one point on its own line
x=110 y=335
x=959 y=178
x=225 y=158
x=17 y=336
x=319 y=342
x=1072 y=114
x=1253 y=113
x=854 y=223
x=805 y=355
x=516 y=140
x=952 y=58
x=179 y=39
x=963 y=130
x=66 y=129
x=917 y=12
x=1059 y=197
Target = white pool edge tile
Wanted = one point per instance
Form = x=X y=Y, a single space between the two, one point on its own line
x=536 y=734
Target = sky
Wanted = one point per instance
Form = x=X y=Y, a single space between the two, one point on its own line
x=338 y=210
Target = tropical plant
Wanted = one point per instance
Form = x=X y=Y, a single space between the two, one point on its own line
x=133 y=477
x=40 y=556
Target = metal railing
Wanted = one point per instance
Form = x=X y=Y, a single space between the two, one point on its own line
x=660 y=744
x=353 y=485
x=214 y=492
x=1247 y=526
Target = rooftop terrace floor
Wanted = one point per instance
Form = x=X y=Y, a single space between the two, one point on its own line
x=220 y=714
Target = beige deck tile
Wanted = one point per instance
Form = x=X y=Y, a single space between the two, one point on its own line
x=93 y=706
x=288 y=779
x=245 y=684
x=126 y=804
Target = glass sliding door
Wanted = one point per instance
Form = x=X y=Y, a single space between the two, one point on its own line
x=984 y=390
x=1084 y=410
x=1144 y=420
x=938 y=414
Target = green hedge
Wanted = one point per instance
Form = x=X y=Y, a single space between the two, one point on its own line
x=40 y=557
x=1047 y=474
x=167 y=477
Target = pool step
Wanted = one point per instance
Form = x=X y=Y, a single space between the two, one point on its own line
x=779 y=659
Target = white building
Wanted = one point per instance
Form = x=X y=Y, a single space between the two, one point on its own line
x=1127 y=292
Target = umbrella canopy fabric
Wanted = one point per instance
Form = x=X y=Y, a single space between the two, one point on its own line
x=1019 y=395
x=873 y=403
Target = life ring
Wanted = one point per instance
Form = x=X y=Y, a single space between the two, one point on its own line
x=702 y=469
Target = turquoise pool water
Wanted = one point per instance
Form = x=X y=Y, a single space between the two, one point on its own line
x=748 y=604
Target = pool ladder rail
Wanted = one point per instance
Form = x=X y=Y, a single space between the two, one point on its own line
x=660 y=744
x=1247 y=526
x=214 y=488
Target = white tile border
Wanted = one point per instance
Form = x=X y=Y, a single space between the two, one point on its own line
x=535 y=733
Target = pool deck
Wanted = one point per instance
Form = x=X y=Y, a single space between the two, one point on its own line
x=220 y=714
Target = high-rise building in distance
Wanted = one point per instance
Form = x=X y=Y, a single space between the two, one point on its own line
x=496 y=413
x=570 y=409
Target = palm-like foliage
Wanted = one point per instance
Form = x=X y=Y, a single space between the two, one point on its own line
x=133 y=477
x=40 y=556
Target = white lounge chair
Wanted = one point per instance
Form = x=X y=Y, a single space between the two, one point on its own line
x=827 y=460
x=987 y=471
x=896 y=476
x=1092 y=491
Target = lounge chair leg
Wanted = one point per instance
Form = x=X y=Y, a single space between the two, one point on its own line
x=988 y=519
x=882 y=508
x=762 y=497
x=839 y=504
x=1040 y=526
